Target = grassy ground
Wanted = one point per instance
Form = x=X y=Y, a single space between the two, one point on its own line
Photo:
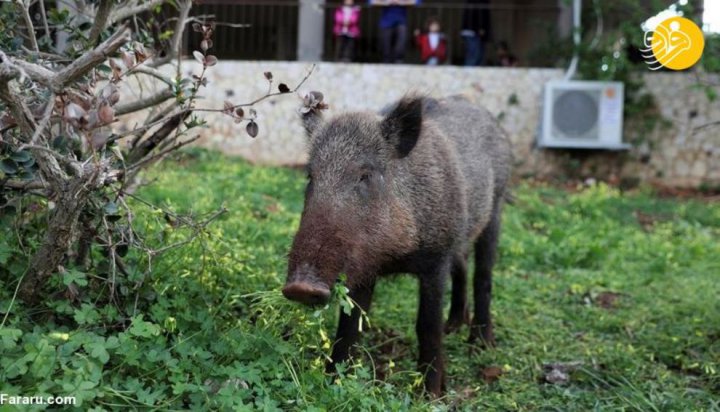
x=625 y=287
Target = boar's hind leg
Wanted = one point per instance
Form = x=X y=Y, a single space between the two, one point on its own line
x=348 y=329
x=484 y=260
x=429 y=326
x=458 y=306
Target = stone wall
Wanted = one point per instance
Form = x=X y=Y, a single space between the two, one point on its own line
x=676 y=153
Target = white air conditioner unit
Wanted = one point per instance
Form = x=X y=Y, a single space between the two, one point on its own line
x=583 y=115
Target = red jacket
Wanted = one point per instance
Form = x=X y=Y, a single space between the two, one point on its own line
x=353 y=27
x=423 y=43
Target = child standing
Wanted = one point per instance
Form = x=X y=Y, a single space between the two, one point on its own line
x=432 y=44
x=346 y=30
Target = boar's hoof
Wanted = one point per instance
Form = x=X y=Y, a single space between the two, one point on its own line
x=307 y=293
x=454 y=322
x=481 y=338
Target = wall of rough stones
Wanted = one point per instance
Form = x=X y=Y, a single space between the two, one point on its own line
x=676 y=153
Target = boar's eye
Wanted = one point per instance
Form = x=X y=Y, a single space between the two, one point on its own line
x=365 y=177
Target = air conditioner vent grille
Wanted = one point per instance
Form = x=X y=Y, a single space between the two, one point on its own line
x=575 y=114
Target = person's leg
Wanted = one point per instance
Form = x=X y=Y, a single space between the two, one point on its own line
x=400 y=43
x=386 y=36
x=342 y=41
x=350 y=49
x=338 y=47
x=470 y=50
x=481 y=52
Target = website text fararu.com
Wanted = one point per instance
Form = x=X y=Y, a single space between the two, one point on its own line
x=6 y=399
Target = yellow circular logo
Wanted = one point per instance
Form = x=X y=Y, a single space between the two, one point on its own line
x=677 y=43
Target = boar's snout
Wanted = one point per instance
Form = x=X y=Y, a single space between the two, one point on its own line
x=307 y=293
x=305 y=287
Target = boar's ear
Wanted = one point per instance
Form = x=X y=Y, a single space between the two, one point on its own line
x=311 y=120
x=311 y=111
x=401 y=126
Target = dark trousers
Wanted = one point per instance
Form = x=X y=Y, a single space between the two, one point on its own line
x=393 y=43
x=474 y=50
x=344 y=48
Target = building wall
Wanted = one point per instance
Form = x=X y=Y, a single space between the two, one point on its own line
x=675 y=153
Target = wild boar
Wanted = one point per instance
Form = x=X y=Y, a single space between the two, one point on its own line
x=409 y=190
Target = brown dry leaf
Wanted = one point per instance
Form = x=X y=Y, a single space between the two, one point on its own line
x=645 y=220
x=98 y=140
x=116 y=70
x=607 y=300
x=210 y=60
x=128 y=59
x=140 y=53
x=110 y=93
x=491 y=374
x=106 y=114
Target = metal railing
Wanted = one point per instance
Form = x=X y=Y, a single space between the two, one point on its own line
x=272 y=27
x=250 y=30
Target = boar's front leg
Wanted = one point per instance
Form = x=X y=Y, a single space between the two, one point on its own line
x=348 y=329
x=429 y=326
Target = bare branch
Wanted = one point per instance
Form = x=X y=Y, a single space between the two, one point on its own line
x=124 y=12
x=45 y=119
x=24 y=184
x=49 y=166
x=706 y=125
x=163 y=132
x=91 y=59
x=101 y=17
x=49 y=56
x=36 y=72
x=202 y=18
x=57 y=81
x=162 y=153
x=43 y=14
x=67 y=161
x=154 y=73
x=20 y=112
x=176 y=41
x=197 y=227
x=160 y=119
x=266 y=96
x=24 y=10
x=149 y=101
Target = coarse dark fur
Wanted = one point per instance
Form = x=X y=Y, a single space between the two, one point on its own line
x=408 y=191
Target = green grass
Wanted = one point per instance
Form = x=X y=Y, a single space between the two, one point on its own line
x=628 y=284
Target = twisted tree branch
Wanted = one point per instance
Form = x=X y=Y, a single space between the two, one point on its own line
x=125 y=12
x=149 y=101
x=91 y=59
x=101 y=17
x=28 y=24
